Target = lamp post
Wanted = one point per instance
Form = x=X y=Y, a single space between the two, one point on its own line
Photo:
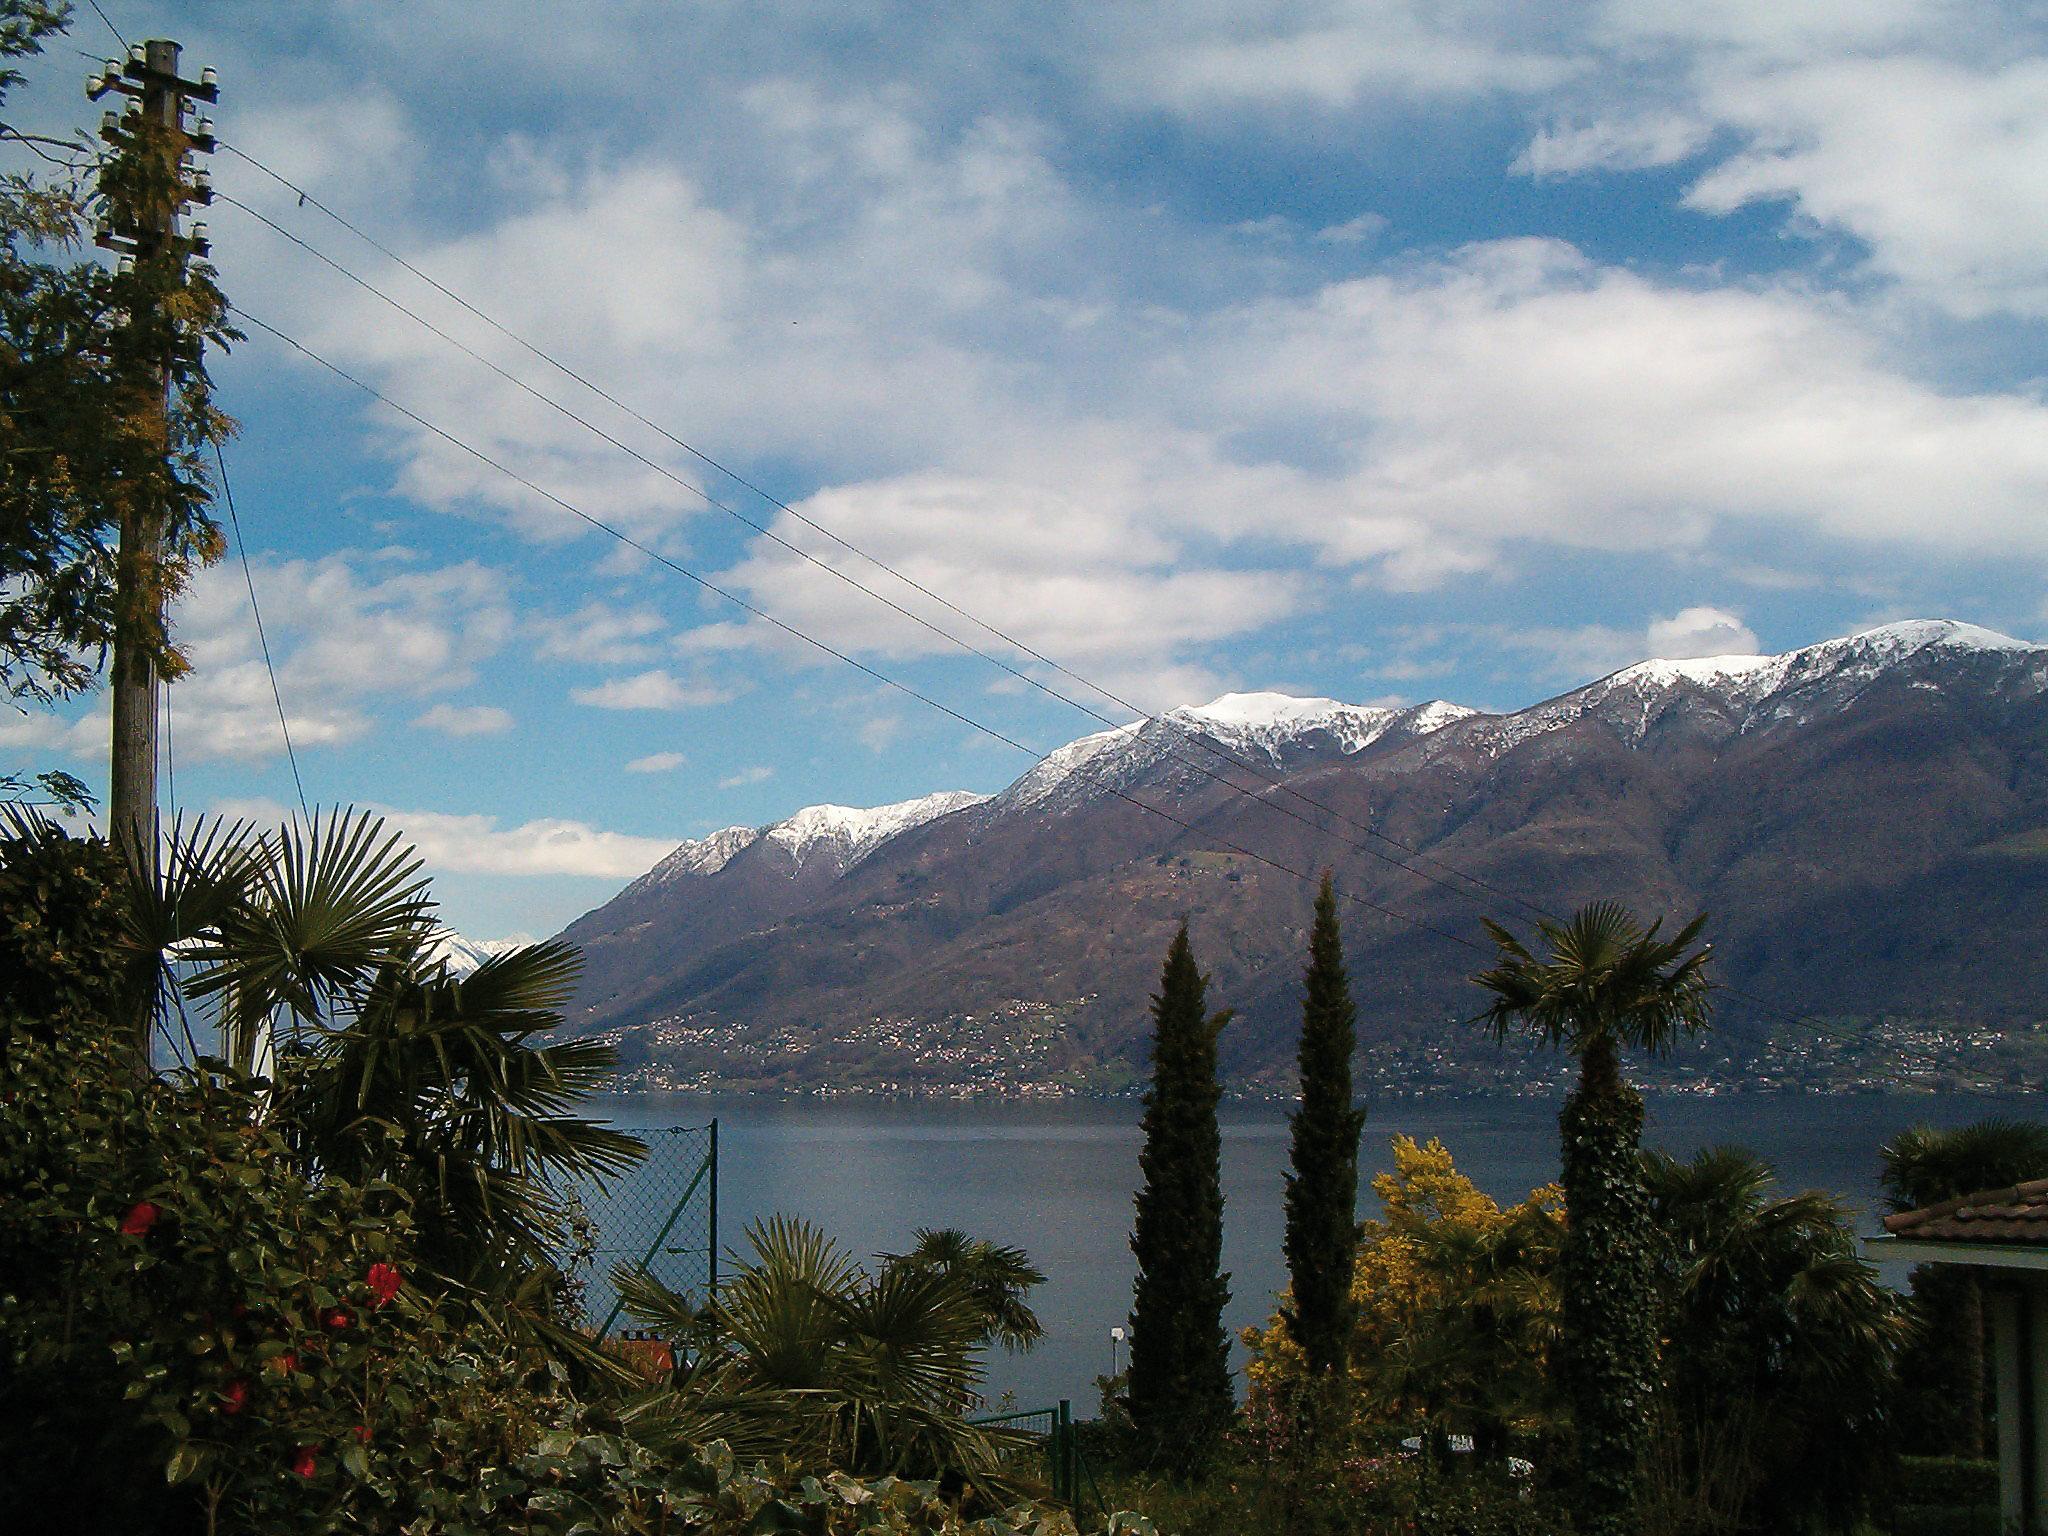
x=1116 y=1339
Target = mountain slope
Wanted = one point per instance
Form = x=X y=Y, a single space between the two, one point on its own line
x=1856 y=815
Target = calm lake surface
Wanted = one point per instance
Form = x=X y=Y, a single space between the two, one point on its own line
x=1057 y=1178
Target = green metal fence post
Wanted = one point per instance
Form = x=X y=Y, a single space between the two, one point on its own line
x=712 y=1291
x=1063 y=1454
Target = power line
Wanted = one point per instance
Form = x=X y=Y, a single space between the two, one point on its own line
x=822 y=529
x=795 y=633
x=256 y=608
x=95 y=4
x=1187 y=733
x=826 y=648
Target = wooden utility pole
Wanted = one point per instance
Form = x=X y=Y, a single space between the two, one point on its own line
x=145 y=228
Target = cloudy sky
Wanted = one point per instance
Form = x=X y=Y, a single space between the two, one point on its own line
x=1379 y=349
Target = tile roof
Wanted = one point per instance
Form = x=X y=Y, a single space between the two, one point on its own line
x=2017 y=1215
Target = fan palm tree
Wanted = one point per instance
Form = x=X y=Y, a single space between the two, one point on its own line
x=805 y=1356
x=1606 y=983
x=390 y=1067
x=1781 y=1343
x=1944 y=1375
x=997 y=1277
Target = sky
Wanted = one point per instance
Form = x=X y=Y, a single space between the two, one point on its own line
x=1385 y=350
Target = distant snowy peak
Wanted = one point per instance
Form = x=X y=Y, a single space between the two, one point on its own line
x=701 y=856
x=1272 y=722
x=1262 y=730
x=1753 y=690
x=462 y=954
x=848 y=834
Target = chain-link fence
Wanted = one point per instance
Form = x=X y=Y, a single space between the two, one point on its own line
x=661 y=1218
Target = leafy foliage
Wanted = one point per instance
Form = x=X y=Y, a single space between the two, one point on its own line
x=1780 y=1345
x=806 y=1357
x=1455 y=1307
x=85 y=357
x=202 y=1329
x=996 y=1276
x=1322 y=1188
x=1180 y=1399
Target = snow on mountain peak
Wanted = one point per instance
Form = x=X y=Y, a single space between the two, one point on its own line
x=702 y=855
x=851 y=834
x=462 y=954
x=1911 y=635
x=1269 y=722
x=1434 y=716
x=1755 y=689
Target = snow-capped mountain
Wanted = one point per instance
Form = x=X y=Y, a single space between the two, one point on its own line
x=462 y=954
x=1752 y=691
x=1866 y=819
x=846 y=835
x=1261 y=731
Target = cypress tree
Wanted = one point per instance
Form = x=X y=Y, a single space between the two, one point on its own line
x=1322 y=1189
x=1180 y=1398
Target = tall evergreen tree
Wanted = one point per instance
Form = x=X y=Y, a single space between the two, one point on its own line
x=1180 y=1399
x=1322 y=1189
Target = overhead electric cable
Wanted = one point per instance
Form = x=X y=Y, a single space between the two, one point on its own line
x=1196 y=737
x=95 y=4
x=262 y=637
x=878 y=676
x=795 y=633
x=1187 y=733
x=1024 y=648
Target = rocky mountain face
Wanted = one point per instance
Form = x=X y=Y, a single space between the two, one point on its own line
x=1865 y=821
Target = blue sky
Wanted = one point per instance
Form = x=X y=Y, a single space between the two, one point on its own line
x=1381 y=350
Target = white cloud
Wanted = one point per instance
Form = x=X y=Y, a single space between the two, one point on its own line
x=1356 y=231
x=746 y=776
x=466 y=720
x=1240 y=54
x=1940 y=168
x=879 y=732
x=1700 y=632
x=38 y=731
x=544 y=846
x=1062 y=573
x=1578 y=655
x=599 y=632
x=653 y=689
x=456 y=844
x=657 y=762
x=341 y=643
x=1519 y=391
x=1613 y=144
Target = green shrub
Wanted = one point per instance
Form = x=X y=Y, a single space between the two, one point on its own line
x=198 y=1334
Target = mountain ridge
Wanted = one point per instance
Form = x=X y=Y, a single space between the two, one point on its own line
x=989 y=913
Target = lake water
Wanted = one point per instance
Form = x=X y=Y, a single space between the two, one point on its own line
x=1057 y=1179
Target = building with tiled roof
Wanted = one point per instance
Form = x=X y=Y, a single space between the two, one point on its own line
x=2004 y=1233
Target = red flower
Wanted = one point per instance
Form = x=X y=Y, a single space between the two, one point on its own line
x=363 y=1433
x=383 y=1282
x=141 y=1217
x=305 y=1463
x=336 y=1318
x=285 y=1363
x=234 y=1397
